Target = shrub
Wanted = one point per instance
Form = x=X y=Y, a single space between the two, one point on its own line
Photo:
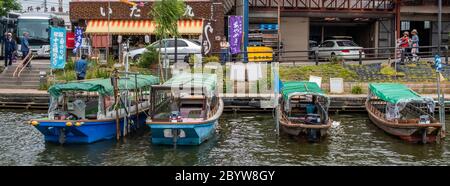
x=69 y=76
x=208 y=59
x=102 y=73
x=356 y=89
x=70 y=65
x=336 y=60
x=45 y=85
x=149 y=57
x=389 y=71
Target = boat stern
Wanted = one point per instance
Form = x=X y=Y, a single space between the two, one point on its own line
x=65 y=131
x=181 y=133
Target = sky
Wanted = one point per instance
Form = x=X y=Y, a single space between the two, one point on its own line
x=50 y=3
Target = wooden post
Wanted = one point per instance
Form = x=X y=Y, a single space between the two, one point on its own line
x=116 y=103
x=136 y=99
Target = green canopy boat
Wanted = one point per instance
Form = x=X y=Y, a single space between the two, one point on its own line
x=186 y=110
x=88 y=111
x=304 y=110
x=400 y=111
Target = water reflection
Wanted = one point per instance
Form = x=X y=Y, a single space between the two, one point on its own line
x=241 y=140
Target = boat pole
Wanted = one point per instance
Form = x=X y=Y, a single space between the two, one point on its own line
x=136 y=99
x=438 y=65
x=116 y=103
x=127 y=105
x=441 y=100
x=275 y=84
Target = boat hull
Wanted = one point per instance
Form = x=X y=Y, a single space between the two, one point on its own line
x=185 y=133
x=89 y=131
x=312 y=133
x=305 y=131
x=188 y=134
x=411 y=132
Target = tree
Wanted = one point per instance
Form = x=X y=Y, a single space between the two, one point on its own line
x=166 y=14
x=9 y=5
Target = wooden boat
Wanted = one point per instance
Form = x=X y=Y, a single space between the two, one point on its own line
x=186 y=110
x=304 y=110
x=84 y=111
x=401 y=112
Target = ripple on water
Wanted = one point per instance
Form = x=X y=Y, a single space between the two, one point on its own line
x=241 y=139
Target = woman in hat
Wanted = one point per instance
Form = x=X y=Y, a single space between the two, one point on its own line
x=415 y=45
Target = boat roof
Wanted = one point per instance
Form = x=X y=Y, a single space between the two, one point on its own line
x=102 y=86
x=290 y=88
x=207 y=81
x=395 y=93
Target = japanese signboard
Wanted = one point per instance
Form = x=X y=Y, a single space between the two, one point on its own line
x=78 y=38
x=235 y=33
x=207 y=37
x=57 y=48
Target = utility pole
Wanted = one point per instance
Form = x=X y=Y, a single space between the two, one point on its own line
x=440 y=95
x=246 y=29
x=279 y=31
x=440 y=27
x=109 y=18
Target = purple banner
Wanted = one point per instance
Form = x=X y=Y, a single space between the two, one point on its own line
x=235 y=33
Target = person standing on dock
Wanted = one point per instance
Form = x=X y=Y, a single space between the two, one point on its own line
x=224 y=46
x=415 y=45
x=25 y=47
x=80 y=68
x=10 y=49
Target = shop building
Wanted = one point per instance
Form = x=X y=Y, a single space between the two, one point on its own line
x=370 y=23
x=422 y=16
x=102 y=19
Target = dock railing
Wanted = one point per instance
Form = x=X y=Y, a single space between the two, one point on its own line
x=321 y=56
x=23 y=64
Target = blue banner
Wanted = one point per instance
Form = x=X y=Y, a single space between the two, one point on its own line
x=78 y=38
x=57 y=48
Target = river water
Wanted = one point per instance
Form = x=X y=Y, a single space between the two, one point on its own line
x=241 y=139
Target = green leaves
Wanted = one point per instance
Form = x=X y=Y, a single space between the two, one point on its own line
x=8 y=5
x=166 y=14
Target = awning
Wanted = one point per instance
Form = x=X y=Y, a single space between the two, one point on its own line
x=102 y=86
x=396 y=92
x=139 y=27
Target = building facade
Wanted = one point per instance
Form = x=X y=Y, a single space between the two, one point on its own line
x=101 y=18
x=370 y=23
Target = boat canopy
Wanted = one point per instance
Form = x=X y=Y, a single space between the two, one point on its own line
x=291 y=88
x=103 y=86
x=200 y=80
x=397 y=97
x=297 y=88
x=395 y=93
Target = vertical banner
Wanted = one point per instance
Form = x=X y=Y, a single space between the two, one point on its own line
x=57 y=48
x=235 y=33
x=207 y=36
x=78 y=38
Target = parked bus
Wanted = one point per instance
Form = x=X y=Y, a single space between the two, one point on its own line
x=8 y=23
x=38 y=26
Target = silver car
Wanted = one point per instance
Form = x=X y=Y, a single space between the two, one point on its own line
x=184 y=47
x=346 y=49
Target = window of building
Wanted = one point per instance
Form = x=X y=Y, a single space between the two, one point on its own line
x=405 y=25
x=426 y=25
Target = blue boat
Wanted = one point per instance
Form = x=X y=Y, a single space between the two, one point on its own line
x=84 y=111
x=186 y=110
